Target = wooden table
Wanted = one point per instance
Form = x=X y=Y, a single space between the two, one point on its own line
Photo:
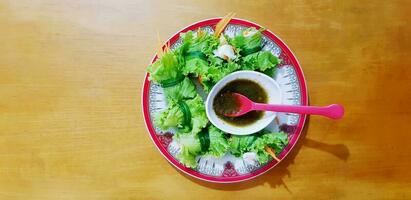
x=71 y=74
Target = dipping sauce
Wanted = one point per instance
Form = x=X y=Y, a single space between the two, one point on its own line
x=224 y=102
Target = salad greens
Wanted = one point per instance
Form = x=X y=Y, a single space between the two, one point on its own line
x=196 y=49
x=190 y=148
x=188 y=116
x=260 y=61
x=205 y=58
x=218 y=142
x=182 y=90
x=166 y=71
x=248 y=41
x=257 y=143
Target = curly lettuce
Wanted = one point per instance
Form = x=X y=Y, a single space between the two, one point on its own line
x=257 y=143
x=261 y=61
x=171 y=117
x=218 y=142
x=199 y=118
x=239 y=144
x=249 y=41
x=196 y=49
x=275 y=141
x=188 y=116
x=199 y=41
x=216 y=71
x=190 y=147
x=183 y=90
x=166 y=69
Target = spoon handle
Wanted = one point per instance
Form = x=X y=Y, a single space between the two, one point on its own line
x=333 y=111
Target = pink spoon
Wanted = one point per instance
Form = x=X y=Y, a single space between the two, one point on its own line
x=245 y=105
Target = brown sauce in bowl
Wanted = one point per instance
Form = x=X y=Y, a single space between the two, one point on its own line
x=224 y=102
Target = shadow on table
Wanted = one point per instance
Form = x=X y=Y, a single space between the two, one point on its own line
x=275 y=176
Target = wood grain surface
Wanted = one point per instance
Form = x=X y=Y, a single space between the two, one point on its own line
x=71 y=124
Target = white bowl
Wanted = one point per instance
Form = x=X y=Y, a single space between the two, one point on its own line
x=267 y=83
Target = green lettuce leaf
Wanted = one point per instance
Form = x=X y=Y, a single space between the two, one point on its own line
x=260 y=61
x=195 y=66
x=204 y=42
x=173 y=116
x=199 y=118
x=165 y=68
x=183 y=90
x=248 y=41
x=217 y=70
x=257 y=142
x=240 y=144
x=196 y=48
x=276 y=141
x=190 y=147
x=218 y=142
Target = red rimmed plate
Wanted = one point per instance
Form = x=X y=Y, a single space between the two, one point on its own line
x=229 y=168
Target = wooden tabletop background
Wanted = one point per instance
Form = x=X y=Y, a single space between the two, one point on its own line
x=71 y=124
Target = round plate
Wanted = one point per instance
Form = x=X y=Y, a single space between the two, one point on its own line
x=229 y=169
